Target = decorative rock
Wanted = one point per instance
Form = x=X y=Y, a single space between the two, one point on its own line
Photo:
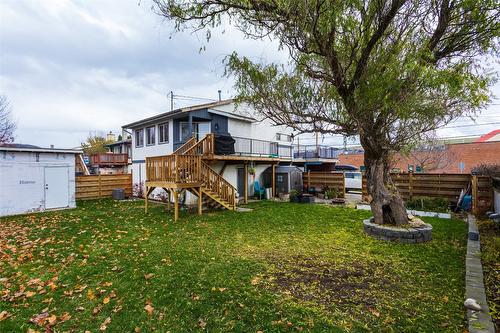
x=472 y=304
x=495 y=217
x=420 y=234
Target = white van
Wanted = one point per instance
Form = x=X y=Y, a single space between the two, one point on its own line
x=353 y=180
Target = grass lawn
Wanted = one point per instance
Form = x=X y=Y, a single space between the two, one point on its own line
x=282 y=267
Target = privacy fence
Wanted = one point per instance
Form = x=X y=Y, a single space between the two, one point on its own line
x=101 y=186
x=447 y=186
x=320 y=180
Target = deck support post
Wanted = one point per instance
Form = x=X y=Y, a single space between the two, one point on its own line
x=245 y=183
x=200 y=201
x=146 y=199
x=168 y=197
x=274 y=180
x=176 y=205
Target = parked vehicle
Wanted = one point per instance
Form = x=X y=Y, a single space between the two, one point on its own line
x=353 y=180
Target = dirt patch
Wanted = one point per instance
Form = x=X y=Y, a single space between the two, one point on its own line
x=329 y=284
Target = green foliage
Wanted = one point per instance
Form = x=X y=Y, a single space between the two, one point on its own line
x=226 y=271
x=490 y=252
x=294 y=195
x=429 y=204
x=95 y=144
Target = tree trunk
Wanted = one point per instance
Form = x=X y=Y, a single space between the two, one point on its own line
x=386 y=203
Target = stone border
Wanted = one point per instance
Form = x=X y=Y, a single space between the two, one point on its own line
x=402 y=235
x=479 y=320
x=412 y=212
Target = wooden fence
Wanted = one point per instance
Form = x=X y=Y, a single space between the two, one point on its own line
x=443 y=185
x=101 y=186
x=321 y=179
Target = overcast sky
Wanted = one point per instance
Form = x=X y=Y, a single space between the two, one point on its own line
x=74 y=67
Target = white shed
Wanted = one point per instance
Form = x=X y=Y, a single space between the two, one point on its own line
x=35 y=179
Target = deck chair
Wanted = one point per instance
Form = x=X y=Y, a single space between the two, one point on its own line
x=257 y=190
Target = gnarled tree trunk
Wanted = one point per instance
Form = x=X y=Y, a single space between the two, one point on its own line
x=386 y=203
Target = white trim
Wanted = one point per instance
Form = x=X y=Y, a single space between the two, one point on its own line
x=42 y=150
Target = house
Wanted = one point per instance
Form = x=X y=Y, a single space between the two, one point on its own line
x=115 y=161
x=220 y=144
x=36 y=179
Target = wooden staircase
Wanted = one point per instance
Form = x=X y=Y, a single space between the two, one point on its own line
x=186 y=169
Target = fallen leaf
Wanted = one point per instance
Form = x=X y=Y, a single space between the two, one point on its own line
x=30 y=294
x=149 y=276
x=107 y=284
x=90 y=294
x=105 y=300
x=105 y=324
x=445 y=299
x=96 y=310
x=137 y=330
x=149 y=309
x=374 y=312
x=39 y=318
x=222 y=289
x=201 y=323
x=255 y=280
x=4 y=315
x=195 y=297
x=66 y=316
x=80 y=308
x=52 y=320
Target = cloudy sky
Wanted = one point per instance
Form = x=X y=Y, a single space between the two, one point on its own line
x=74 y=67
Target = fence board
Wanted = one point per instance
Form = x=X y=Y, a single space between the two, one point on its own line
x=321 y=179
x=101 y=186
x=446 y=186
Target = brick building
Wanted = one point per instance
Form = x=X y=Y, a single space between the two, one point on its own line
x=452 y=158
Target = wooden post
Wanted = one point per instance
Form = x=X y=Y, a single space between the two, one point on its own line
x=410 y=186
x=475 y=207
x=245 y=183
x=176 y=205
x=308 y=180
x=343 y=185
x=200 y=201
x=99 y=180
x=274 y=180
x=146 y=199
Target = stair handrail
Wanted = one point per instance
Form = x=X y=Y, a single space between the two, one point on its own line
x=203 y=147
x=182 y=150
x=218 y=184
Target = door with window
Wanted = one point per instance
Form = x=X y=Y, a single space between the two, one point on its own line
x=199 y=130
x=56 y=187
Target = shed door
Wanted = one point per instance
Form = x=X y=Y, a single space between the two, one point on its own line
x=56 y=187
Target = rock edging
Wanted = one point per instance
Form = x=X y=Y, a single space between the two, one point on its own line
x=409 y=235
x=478 y=315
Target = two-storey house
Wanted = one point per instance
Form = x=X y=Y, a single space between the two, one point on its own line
x=216 y=150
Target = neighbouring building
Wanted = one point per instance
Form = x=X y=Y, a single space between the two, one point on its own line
x=116 y=161
x=35 y=179
x=449 y=158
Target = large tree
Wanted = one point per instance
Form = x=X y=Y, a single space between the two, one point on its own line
x=7 y=125
x=388 y=71
x=95 y=144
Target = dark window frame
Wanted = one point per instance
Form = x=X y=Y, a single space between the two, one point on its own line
x=139 y=143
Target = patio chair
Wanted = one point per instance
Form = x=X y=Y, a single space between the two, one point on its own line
x=257 y=190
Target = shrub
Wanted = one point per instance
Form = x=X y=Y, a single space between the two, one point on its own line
x=439 y=205
x=294 y=195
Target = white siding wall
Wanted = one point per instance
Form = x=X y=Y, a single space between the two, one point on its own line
x=22 y=184
x=139 y=154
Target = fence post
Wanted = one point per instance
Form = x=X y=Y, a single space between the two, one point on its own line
x=474 y=195
x=343 y=185
x=99 y=184
x=410 y=184
x=308 y=180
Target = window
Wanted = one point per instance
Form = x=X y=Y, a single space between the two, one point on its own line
x=163 y=133
x=283 y=137
x=199 y=130
x=139 y=137
x=150 y=136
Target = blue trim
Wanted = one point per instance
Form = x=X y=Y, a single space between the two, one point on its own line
x=138 y=161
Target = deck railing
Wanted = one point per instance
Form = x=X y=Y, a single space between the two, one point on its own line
x=262 y=148
x=185 y=146
x=313 y=151
x=109 y=159
x=181 y=169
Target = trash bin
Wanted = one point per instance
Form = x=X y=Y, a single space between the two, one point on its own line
x=118 y=194
x=269 y=193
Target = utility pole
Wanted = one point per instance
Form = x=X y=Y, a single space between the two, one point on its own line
x=171 y=100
